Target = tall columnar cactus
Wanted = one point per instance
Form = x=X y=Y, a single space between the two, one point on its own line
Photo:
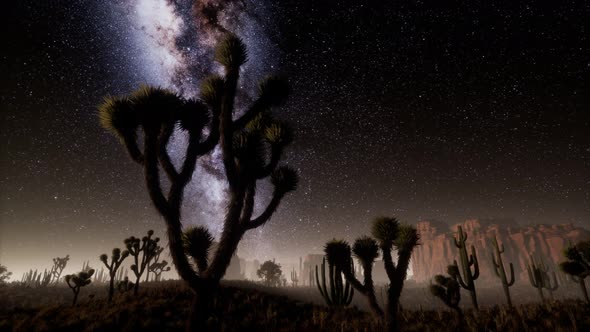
x=467 y=261
x=77 y=281
x=539 y=277
x=59 y=264
x=142 y=251
x=448 y=289
x=294 y=278
x=117 y=259
x=339 y=293
x=251 y=144
x=498 y=265
x=389 y=234
x=578 y=264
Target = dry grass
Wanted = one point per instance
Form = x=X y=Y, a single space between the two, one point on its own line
x=243 y=306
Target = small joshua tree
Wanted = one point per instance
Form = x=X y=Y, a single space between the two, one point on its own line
x=59 y=264
x=4 y=274
x=157 y=268
x=448 y=290
x=251 y=146
x=389 y=234
x=339 y=293
x=467 y=261
x=500 y=271
x=77 y=281
x=578 y=264
x=116 y=259
x=142 y=252
x=155 y=261
x=124 y=285
x=270 y=272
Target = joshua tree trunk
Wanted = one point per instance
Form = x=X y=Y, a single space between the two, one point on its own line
x=111 y=287
x=584 y=290
x=75 y=297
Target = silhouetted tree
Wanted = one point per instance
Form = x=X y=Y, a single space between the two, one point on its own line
x=116 y=259
x=251 y=147
x=59 y=264
x=578 y=264
x=142 y=252
x=389 y=234
x=4 y=274
x=270 y=272
x=448 y=290
x=77 y=281
x=157 y=267
x=155 y=259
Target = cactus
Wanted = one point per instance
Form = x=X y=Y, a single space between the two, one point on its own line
x=447 y=289
x=251 y=147
x=294 y=279
x=467 y=261
x=77 y=281
x=117 y=259
x=578 y=264
x=59 y=264
x=539 y=278
x=498 y=266
x=142 y=251
x=339 y=294
x=389 y=234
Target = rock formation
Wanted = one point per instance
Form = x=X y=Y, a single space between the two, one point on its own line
x=544 y=242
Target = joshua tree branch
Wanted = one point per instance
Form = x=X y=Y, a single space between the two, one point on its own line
x=268 y=212
x=163 y=153
x=248 y=204
x=259 y=106
x=152 y=175
x=388 y=262
x=211 y=141
x=133 y=149
x=275 y=157
x=227 y=127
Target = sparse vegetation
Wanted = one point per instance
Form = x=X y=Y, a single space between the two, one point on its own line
x=142 y=252
x=270 y=272
x=117 y=259
x=338 y=293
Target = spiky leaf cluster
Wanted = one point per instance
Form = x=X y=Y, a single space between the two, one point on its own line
x=407 y=237
x=231 y=52
x=365 y=249
x=285 y=179
x=212 y=90
x=80 y=279
x=197 y=242
x=338 y=253
x=385 y=230
x=274 y=89
x=578 y=263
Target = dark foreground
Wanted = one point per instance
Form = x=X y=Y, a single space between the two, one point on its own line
x=240 y=307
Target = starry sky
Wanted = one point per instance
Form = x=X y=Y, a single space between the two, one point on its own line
x=417 y=109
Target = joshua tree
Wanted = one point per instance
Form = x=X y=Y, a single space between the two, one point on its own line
x=340 y=293
x=157 y=268
x=142 y=252
x=467 y=281
x=539 y=278
x=155 y=263
x=578 y=264
x=389 y=234
x=116 y=259
x=498 y=265
x=448 y=289
x=4 y=274
x=251 y=146
x=294 y=279
x=271 y=273
x=366 y=251
x=59 y=264
x=77 y=281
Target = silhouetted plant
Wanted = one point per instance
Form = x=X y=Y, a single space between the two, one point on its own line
x=117 y=259
x=467 y=261
x=157 y=268
x=366 y=251
x=498 y=266
x=338 y=293
x=142 y=252
x=251 y=146
x=4 y=274
x=539 y=277
x=270 y=272
x=36 y=279
x=578 y=264
x=294 y=278
x=124 y=286
x=77 y=281
x=155 y=262
x=389 y=234
x=59 y=264
x=448 y=290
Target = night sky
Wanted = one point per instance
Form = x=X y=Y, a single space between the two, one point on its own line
x=407 y=108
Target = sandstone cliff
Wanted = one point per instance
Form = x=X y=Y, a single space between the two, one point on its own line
x=542 y=241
